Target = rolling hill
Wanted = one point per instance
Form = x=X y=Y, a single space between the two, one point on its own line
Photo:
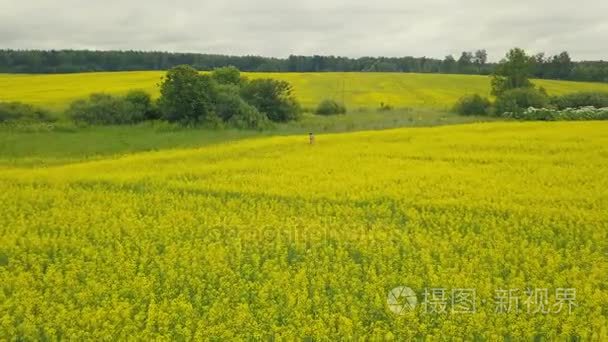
x=358 y=90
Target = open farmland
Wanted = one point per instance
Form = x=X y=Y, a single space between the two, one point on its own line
x=367 y=90
x=272 y=237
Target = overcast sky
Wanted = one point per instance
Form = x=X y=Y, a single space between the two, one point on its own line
x=353 y=28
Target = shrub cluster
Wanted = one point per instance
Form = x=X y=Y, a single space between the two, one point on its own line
x=518 y=99
x=516 y=96
x=104 y=109
x=473 y=105
x=231 y=108
x=187 y=97
x=272 y=97
x=534 y=104
x=19 y=112
x=330 y=107
x=568 y=114
x=143 y=103
x=581 y=99
x=225 y=97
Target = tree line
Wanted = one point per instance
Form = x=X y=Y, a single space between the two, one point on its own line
x=559 y=66
x=518 y=98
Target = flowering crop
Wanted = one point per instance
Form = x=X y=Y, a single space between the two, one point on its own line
x=356 y=89
x=276 y=238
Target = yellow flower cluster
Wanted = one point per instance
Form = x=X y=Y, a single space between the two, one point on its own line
x=276 y=238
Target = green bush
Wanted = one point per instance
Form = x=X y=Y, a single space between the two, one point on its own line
x=568 y=114
x=330 y=107
x=473 y=105
x=249 y=117
x=232 y=109
x=224 y=96
x=104 y=109
x=187 y=97
x=273 y=97
x=227 y=75
x=143 y=104
x=227 y=101
x=517 y=100
x=21 y=112
x=581 y=99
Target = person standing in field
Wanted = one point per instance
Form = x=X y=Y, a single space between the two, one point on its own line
x=311 y=138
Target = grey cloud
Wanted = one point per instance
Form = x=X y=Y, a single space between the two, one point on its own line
x=338 y=27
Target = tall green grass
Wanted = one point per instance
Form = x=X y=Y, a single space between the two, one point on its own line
x=47 y=144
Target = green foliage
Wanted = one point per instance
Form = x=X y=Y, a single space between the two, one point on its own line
x=142 y=103
x=569 y=114
x=228 y=101
x=581 y=99
x=449 y=65
x=273 y=97
x=512 y=72
x=66 y=142
x=248 y=116
x=473 y=105
x=191 y=98
x=555 y=67
x=104 y=109
x=187 y=97
x=246 y=104
x=232 y=109
x=330 y=107
x=516 y=100
x=226 y=75
x=21 y=112
x=74 y=61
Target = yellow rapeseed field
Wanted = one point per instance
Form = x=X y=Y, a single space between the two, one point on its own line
x=275 y=238
x=355 y=89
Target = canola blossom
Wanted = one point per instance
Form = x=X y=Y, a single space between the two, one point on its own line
x=277 y=238
x=355 y=89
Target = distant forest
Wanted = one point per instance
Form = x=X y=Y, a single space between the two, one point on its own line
x=71 y=61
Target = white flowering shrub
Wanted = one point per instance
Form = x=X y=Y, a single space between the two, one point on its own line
x=568 y=114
